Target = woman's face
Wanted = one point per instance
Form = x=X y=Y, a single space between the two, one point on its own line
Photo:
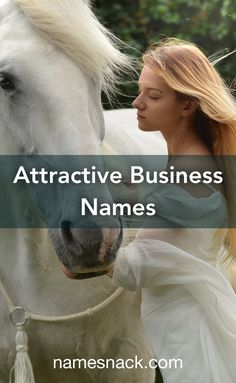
x=157 y=105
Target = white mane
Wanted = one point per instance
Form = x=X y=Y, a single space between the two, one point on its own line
x=71 y=25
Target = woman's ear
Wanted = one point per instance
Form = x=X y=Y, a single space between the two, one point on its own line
x=189 y=106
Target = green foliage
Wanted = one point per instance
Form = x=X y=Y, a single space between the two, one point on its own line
x=210 y=24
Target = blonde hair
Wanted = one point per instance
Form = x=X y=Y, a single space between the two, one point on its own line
x=187 y=70
x=71 y=25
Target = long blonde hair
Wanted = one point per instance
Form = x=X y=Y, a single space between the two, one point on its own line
x=187 y=70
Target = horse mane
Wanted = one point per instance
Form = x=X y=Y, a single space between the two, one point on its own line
x=71 y=25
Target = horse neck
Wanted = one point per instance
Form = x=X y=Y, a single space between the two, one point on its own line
x=32 y=277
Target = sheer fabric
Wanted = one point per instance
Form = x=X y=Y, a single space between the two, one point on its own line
x=188 y=305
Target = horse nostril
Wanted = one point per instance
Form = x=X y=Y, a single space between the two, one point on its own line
x=66 y=230
x=87 y=248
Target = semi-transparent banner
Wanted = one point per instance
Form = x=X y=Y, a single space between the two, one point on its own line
x=100 y=191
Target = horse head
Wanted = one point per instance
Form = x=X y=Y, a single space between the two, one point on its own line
x=55 y=58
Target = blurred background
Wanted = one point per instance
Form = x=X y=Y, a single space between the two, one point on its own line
x=211 y=24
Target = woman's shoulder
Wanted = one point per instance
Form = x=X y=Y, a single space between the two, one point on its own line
x=202 y=163
x=179 y=207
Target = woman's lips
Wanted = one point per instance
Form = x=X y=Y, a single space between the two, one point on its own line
x=139 y=116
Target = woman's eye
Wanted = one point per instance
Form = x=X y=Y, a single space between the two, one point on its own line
x=7 y=82
x=154 y=95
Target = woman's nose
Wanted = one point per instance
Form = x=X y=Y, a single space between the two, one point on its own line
x=138 y=103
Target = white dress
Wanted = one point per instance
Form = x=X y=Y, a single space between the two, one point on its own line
x=188 y=305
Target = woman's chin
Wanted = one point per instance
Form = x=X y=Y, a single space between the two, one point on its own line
x=145 y=128
x=142 y=126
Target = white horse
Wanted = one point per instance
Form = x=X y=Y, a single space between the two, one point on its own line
x=54 y=58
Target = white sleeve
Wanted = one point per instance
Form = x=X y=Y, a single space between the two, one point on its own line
x=145 y=263
x=138 y=264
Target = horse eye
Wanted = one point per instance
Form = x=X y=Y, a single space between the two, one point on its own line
x=7 y=82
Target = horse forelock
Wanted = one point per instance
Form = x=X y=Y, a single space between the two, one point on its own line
x=72 y=26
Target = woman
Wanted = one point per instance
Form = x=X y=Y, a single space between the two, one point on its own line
x=188 y=305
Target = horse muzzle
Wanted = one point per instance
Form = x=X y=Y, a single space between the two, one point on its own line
x=85 y=253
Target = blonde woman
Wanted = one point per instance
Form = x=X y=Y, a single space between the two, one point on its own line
x=188 y=305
